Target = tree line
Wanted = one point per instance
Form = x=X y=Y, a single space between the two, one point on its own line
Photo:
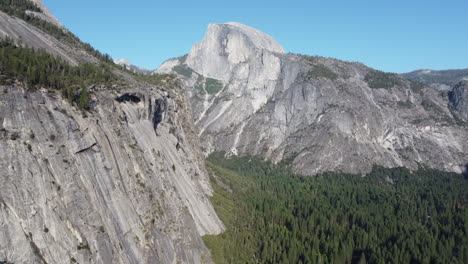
x=38 y=69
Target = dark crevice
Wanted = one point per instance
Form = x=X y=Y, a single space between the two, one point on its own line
x=37 y=251
x=85 y=149
x=457 y=98
x=158 y=114
x=465 y=173
x=129 y=97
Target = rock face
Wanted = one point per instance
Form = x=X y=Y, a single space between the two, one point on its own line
x=459 y=98
x=126 y=184
x=229 y=53
x=226 y=46
x=320 y=114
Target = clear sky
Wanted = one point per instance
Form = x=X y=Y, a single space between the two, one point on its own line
x=396 y=36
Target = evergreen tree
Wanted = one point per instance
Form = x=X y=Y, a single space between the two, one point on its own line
x=362 y=259
x=83 y=102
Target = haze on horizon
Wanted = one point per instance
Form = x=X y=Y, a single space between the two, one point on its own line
x=397 y=36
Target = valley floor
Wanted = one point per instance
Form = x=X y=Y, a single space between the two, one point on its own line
x=388 y=216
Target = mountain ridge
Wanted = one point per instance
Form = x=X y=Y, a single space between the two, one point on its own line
x=305 y=109
x=440 y=77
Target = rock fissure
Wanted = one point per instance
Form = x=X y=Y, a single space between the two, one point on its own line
x=86 y=148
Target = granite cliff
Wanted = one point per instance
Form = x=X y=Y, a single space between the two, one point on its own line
x=124 y=182
x=319 y=114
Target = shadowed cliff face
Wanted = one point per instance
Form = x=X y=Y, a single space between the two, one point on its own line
x=158 y=113
x=459 y=99
x=130 y=97
x=319 y=113
x=105 y=188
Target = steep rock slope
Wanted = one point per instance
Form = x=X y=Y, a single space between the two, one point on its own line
x=321 y=114
x=122 y=183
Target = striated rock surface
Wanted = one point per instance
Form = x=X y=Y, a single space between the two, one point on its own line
x=126 y=184
x=320 y=114
x=122 y=183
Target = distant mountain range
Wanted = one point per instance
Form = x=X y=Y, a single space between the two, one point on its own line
x=447 y=77
x=126 y=63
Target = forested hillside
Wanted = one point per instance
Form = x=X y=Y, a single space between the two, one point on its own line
x=36 y=69
x=388 y=216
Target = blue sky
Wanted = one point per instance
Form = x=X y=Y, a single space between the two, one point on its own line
x=395 y=36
